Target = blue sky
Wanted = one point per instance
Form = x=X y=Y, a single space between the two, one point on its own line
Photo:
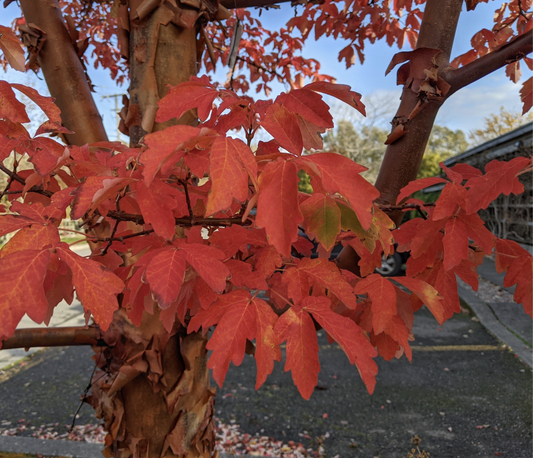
x=465 y=110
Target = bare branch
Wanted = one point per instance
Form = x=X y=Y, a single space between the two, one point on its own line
x=138 y=219
x=511 y=52
x=53 y=337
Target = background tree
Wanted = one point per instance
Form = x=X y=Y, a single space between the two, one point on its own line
x=442 y=144
x=496 y=124
x=148 y=202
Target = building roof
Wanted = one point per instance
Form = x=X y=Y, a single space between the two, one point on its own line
x=505 y=138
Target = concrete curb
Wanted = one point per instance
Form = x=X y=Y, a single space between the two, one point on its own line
x=495 y=327
x=57 y=448
x=30 y=445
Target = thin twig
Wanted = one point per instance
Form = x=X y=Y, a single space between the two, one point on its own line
x=392 y=208
x=22 y=181
x=184 y=183
x=10 y=181
x=87 y=388
x=215 y=222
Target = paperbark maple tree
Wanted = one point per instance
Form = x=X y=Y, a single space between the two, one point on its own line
x=155 y=279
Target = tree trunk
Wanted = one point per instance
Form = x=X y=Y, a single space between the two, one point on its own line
x=152 y=388
x=403 y=157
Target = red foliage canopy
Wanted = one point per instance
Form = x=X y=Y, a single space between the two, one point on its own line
x=211 y=222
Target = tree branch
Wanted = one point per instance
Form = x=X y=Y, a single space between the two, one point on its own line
x=138 y=219
x=16 y=177
x=511 y=52
x=64 y=73
x=53 y=337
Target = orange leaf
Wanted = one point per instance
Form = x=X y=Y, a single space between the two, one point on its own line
x=455 y=243
x=348 y=335
x=340 y=91
x=309 y=105
x=297 y=328
x=283 y=125
x=341 y=175
x=239 y=318
x=267 y=347
x=11 y=223
x=165 y=274
x=185 y=96
x=383 y=296
x=324 y=273
x=48 y=106
x=206 y=261
x=12 y=49
x=96 y=286
x=10 y=107
x=500 y=177
x=21 y=289
x=156 y=204
x=163 y=146
x=427 y=294
x=36 y=237
x=417 y=185
x=278 y=210
x=322 y=218
x=230 y=163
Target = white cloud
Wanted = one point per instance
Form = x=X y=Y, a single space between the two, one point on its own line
x=466 y=109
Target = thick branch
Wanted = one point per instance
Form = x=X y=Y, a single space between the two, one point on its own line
x=53 y=337
x=403 y=157
x=64 y=73
x=511 y=52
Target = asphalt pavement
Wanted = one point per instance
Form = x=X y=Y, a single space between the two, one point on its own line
x=467 y=393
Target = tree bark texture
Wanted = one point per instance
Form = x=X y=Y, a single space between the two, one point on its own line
x=152 y=388
x=52 y=337
x=64 y=73
x=160 y=54
x=403 y=157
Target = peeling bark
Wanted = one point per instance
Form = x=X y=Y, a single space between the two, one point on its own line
x=152 y=390
x=161 y=54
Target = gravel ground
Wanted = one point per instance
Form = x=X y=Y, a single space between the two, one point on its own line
x=489 y=292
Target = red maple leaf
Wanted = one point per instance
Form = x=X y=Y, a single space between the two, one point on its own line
x=348 y=335
x=338 y=174
x=239 y=318
x=96 y=286
x=383 y=296
x=197 y=93
x=22 y=275
x=231 y=163
x=297 y=328
x=165 y=274
x=500 y=177
x=283 y=125
x=278 y=209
